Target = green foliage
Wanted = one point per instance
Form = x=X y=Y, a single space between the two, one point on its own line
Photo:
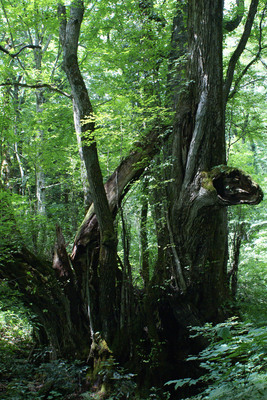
x=10 y=236
x=246 y=119
x=116 y=383
x=122 y=47
x=51 y=380
x=252 y=295
x=250 y=153
x=20 y=377
x=235 y=362
x=15 y=325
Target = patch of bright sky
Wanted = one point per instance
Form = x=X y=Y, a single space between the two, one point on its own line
x=227 y=4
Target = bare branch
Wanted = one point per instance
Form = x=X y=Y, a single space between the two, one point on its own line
x=238 y=80
x=240 y=48
x=38 y=86
x=47 y=43
x=104 y=102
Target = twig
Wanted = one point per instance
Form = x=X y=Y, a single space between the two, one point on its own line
x=38 y=86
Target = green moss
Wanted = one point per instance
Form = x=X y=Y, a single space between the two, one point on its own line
x=207 y=177
x=206 y=181
x=109 y=239
x=220 y=169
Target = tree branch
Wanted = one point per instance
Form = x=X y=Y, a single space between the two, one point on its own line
x=263 y=63
x=14 y=55
x=255 y=59
x=232 y=185
x=243 y=73
x=240 y=48
x=230 y=26
x=38 y=86
x=119 y=183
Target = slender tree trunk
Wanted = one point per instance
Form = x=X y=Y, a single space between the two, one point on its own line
x=239 y=230
x=127 y=297
x=144 y=259
x=40 y=176
x=84 y=126
x=17 y=104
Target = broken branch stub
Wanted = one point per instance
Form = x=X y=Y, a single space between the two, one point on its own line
x=233 y=186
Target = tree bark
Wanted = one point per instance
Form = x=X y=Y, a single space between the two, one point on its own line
x=239 y=231
x=144 y=253
x=198 y=220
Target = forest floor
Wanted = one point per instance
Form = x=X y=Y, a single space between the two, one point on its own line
x=234 y=363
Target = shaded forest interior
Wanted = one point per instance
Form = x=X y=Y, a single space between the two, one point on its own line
x=133 y=167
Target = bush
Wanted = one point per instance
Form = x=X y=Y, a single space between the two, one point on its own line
x=235 y=362
x=53 y=380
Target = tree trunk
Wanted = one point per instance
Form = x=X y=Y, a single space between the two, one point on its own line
x=201 y=181
x=239 y=231
x=40 y=176
x=144 y=256
x=199 y=226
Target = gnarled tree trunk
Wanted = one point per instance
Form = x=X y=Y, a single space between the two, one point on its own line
x=199 y=227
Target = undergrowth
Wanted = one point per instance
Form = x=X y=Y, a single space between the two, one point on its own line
x=234 y=362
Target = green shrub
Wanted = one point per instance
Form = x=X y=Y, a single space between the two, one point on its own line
x=235 y=362
x=54 y=380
